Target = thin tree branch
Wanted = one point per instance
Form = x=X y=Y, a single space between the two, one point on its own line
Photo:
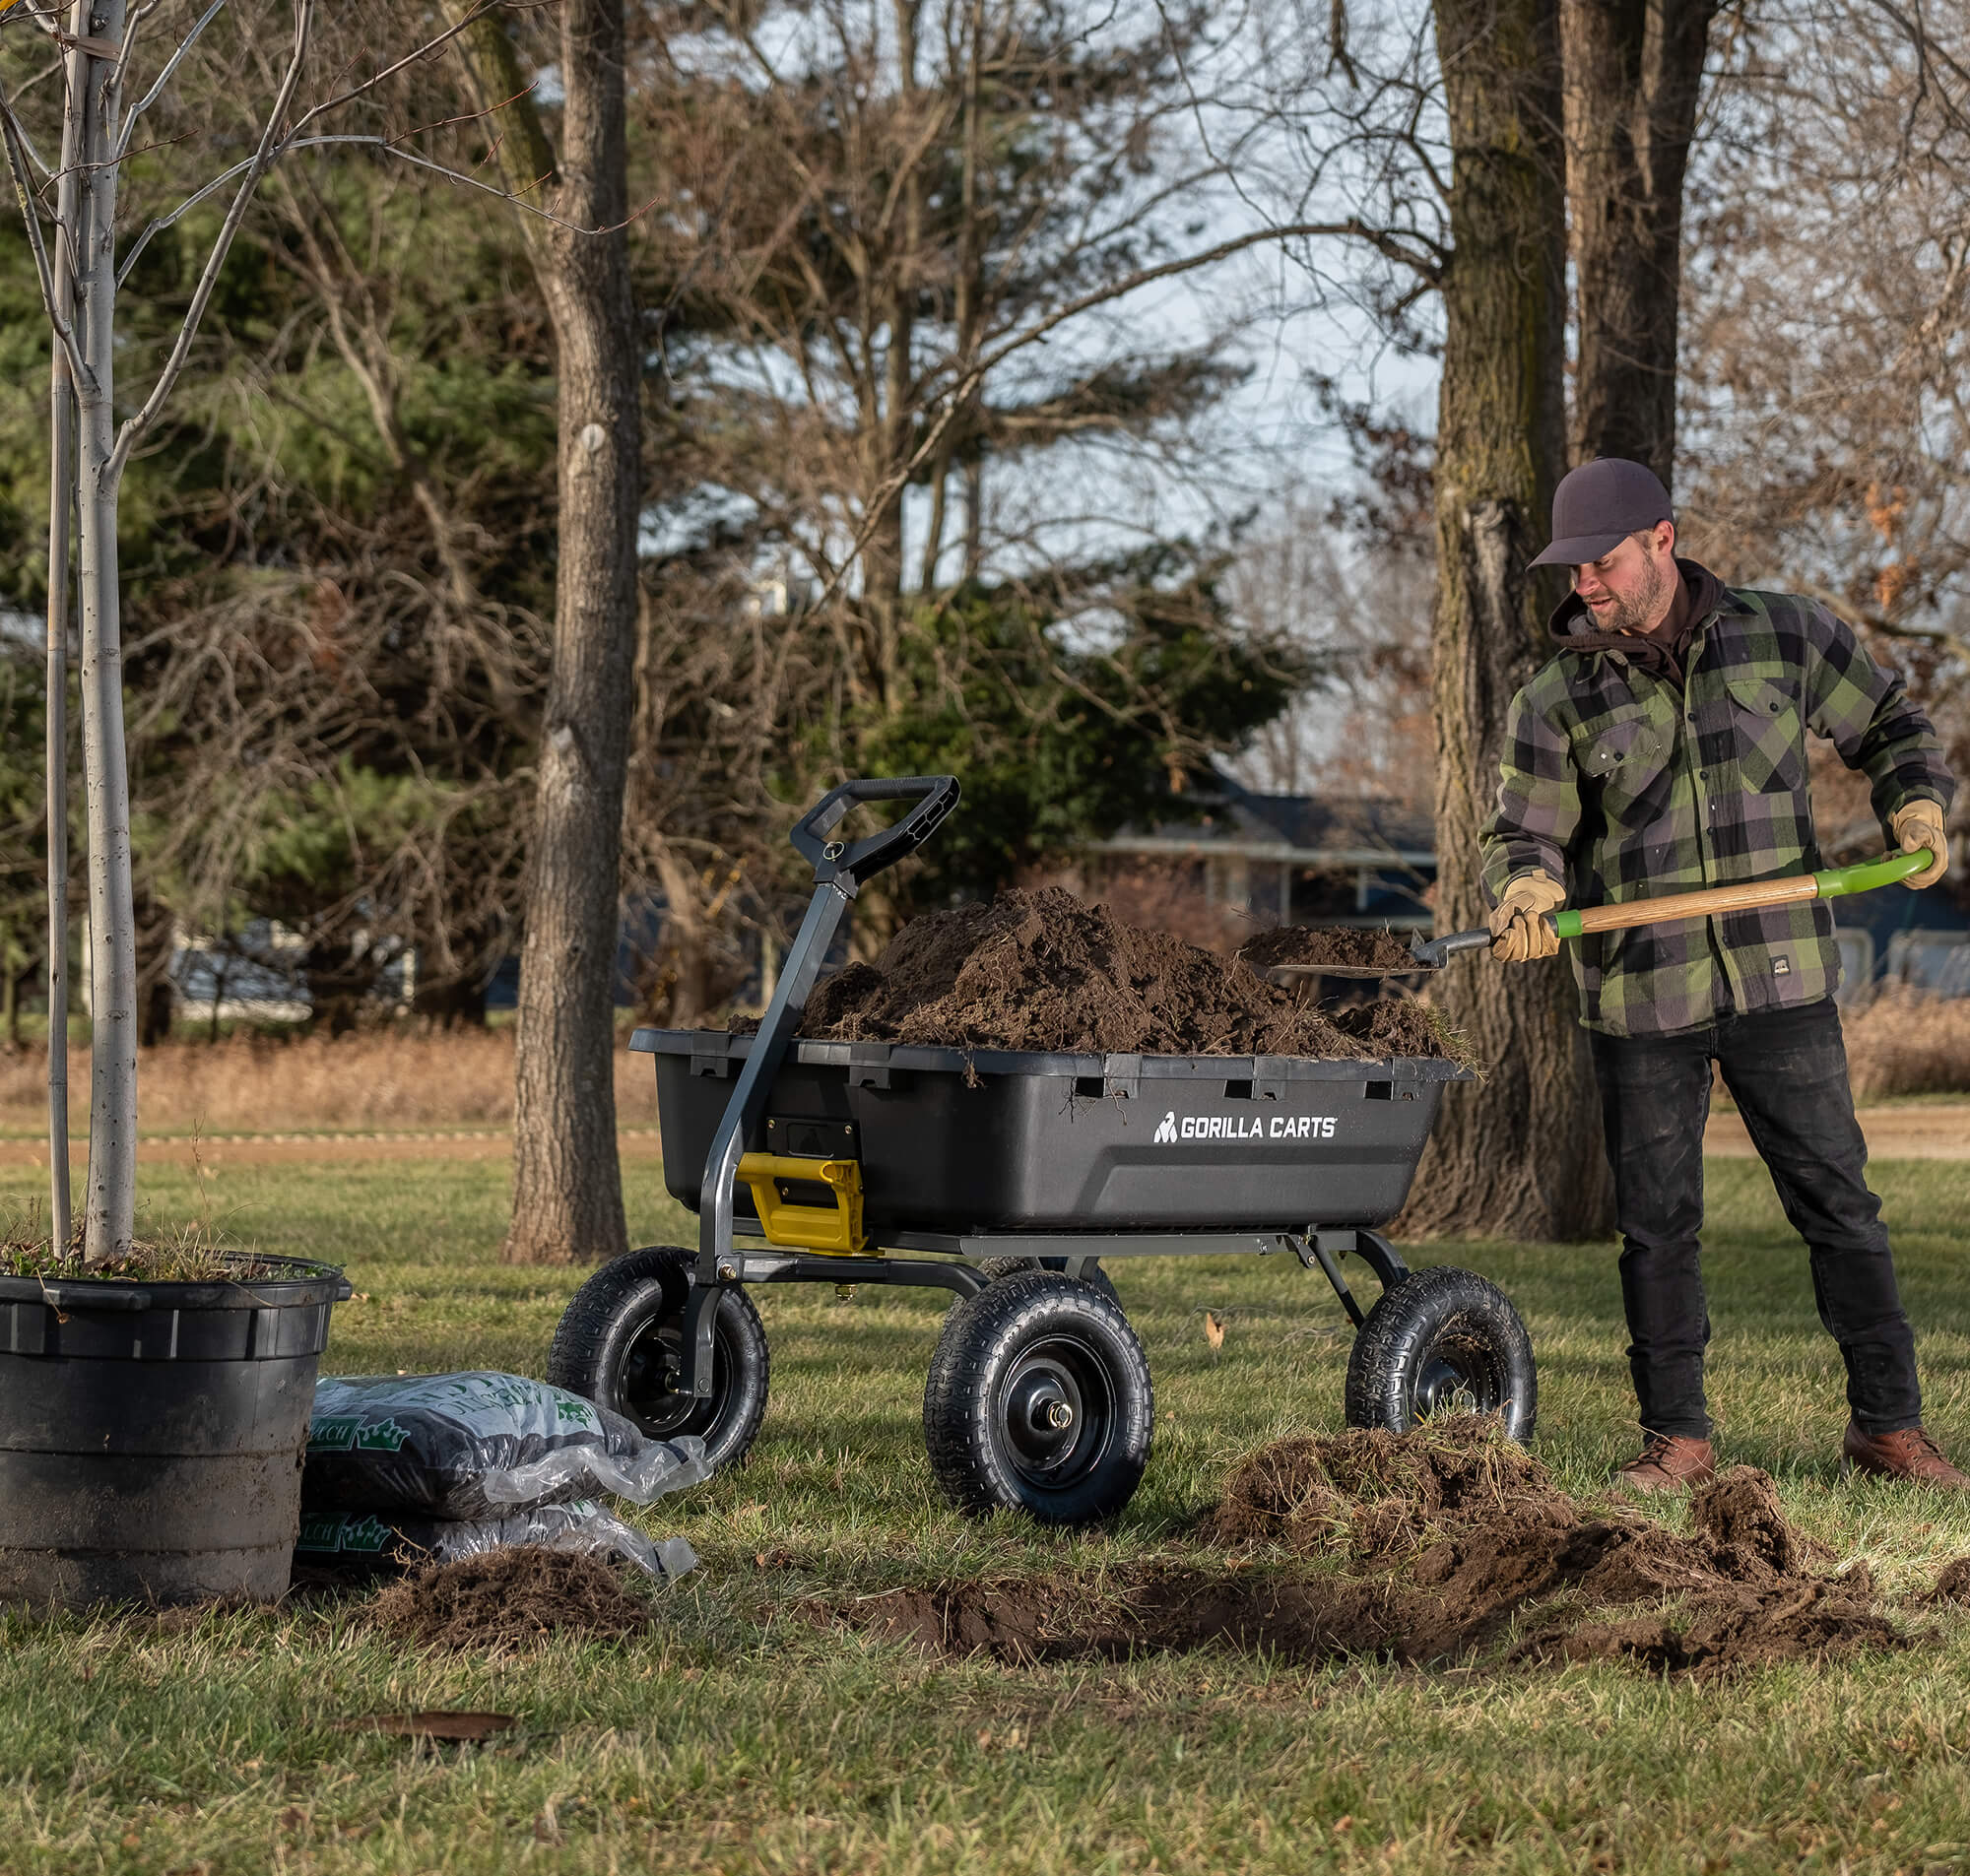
x=163 y=79
x=270 y=146
x=43 y=273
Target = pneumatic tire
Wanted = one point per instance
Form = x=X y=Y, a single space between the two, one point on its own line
x=1443 y=1341
x=1038 y=1400
x=621 y=1346
x=994 y=1269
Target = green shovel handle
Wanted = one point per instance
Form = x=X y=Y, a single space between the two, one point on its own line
x=1835 y=883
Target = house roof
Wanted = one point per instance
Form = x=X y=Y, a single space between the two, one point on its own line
x=1303 y=830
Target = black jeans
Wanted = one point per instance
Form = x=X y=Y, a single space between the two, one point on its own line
x=1786 y=1070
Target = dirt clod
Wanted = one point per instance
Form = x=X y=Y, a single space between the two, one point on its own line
x=511 y=1599
x=1037 y=969
x=1815 y=1621
x=1739 y=1517
x=1382 y=1493
x=1954 y=1584
x=1424 y=1546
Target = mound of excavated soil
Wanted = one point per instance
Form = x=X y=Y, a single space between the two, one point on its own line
x=515 y=1597
x=1433 y=1544
x=1039 y=970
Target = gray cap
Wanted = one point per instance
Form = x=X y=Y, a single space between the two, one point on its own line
x=1598 y=505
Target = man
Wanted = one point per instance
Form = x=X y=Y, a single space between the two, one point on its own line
x=1660 y=750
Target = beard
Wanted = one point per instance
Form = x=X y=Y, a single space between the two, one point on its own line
x=1635 y=612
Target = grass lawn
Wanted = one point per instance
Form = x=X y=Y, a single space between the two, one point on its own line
x=743 y=1735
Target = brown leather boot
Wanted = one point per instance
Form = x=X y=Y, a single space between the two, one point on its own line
x=1668 y=1464
x=1908 y=1455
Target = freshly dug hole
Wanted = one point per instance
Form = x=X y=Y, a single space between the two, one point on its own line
x=1160 y=1609
x=1037 y=969
x=517 y=1597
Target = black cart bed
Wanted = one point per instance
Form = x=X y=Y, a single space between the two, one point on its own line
x=954 y=1141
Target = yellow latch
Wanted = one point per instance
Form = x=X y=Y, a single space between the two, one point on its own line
x=836 y=1230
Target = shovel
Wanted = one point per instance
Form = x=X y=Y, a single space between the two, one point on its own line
x=1835 y=883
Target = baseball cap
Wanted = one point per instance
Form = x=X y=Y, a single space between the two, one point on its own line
x=1598 y=506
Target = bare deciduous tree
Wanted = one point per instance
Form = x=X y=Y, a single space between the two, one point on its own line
x=567 y=1183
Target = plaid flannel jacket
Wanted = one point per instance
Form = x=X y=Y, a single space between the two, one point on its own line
x=1624 y=788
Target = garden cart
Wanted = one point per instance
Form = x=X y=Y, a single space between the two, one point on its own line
x=1008 y=1178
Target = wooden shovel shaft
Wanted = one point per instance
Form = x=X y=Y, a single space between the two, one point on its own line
x=1692 y=905
x=1832 y=883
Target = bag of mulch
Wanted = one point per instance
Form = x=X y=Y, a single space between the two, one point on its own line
x=397 y=1540
x=478 y=1446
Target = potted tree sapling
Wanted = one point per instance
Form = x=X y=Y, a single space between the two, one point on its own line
x=155 y=1393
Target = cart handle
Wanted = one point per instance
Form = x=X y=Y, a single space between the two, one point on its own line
x=854 y=861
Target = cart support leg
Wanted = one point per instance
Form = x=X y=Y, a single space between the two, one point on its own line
x=1332 y=1270
x=700 y=1322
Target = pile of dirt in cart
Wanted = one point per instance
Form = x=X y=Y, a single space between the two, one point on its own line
x=515 y=1597
x=1430 y=1545
x=1037 y=969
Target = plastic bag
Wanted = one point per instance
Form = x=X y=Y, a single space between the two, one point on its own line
x=476 y=1446
x=396 y=1539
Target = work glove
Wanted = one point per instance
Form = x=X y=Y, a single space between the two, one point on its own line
x=1918 y=824
x=1518 y=928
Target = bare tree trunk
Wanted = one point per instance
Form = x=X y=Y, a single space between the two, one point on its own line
x=568 y=1183
x=1632 y=76
x=111 y=1198
x=1520 y=1157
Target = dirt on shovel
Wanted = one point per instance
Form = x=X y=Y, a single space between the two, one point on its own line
x=1329 y=946
x=1423 y=1548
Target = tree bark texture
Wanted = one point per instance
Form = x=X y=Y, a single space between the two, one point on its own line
x=567 y=1183
x=110 y=1212
x=1519 y=1156
x=1633 y=71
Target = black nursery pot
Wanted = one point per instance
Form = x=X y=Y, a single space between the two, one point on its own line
x=151 y=1434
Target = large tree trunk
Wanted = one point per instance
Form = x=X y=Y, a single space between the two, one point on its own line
x=1633 y=70
x=1521 y=1155
x=568 y=1183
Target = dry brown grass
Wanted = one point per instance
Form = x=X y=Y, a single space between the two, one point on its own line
x=1904 y=1042
x=384 y=1079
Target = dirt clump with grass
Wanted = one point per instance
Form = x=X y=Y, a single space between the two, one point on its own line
x=1038 y=969
x=1425 y=1547
x=516 y=1598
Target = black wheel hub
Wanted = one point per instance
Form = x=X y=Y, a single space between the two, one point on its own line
x=1456 y=1376
x=1055 y=1409
x=651 y=1371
